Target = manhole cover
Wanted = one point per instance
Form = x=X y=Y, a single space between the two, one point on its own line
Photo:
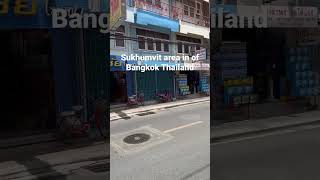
x=136 y=138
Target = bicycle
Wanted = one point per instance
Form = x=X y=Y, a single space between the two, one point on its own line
x=71 y=124
x=98 y=118
x=136 y=99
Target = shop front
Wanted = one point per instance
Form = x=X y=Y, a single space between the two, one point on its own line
x=264 y=73
x=43 y=70
x=122 y=81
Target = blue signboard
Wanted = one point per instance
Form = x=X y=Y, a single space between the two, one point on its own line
x=35 y=14
x=24 y=14
x=116 y=64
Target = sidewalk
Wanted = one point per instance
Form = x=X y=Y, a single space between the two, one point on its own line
x=129 y=113
x=247 y=127
x=49 y=160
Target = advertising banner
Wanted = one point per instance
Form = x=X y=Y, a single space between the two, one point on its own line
x=117 y=12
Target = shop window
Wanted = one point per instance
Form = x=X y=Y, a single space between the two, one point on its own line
x=197 y=48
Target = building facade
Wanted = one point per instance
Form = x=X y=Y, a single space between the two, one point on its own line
x=164 y=27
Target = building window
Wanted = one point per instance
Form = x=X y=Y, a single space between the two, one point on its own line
x=191 y=12
x=119 y=35
x=186 y=49
x=141 y=43
x=158 y=45
x=186 y=10
x=119 y=40
x=150 y=44
x=179 y=47
x=153 y=41
x=166 y=46
x=158 y=3
x=184 y=44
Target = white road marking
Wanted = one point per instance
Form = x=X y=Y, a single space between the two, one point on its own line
x=182 y=127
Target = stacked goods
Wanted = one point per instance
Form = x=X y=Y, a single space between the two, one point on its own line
x=304 y=81
x=183 y=85
x=239 y=91
x=232 y=61
x=204 y=84
x=232 y=74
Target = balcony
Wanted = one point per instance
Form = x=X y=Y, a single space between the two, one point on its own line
x=170 y=11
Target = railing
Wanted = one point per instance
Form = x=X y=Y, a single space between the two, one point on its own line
x=173 y=12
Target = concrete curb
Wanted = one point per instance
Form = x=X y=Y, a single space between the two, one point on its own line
x=216 y=139
x=161 y=107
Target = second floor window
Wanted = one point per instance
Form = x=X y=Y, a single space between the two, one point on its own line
x=152 y=41
x=187 y=45
x=119 y=35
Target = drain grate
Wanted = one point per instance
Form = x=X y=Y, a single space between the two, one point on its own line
x=98 y=168
x=145 y=113
x=136 y=138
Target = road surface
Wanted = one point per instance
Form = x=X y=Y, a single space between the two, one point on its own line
x=291 y=154
x=174 y=145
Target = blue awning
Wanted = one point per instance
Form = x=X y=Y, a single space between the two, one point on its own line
x=148 y=18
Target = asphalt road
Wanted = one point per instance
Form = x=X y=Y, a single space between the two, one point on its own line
x=178 y=148
x=292 y=154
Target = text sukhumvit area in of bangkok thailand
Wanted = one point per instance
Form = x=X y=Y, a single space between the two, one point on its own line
x=157 y=62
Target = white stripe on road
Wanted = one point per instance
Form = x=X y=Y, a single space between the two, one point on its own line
x=182 y=127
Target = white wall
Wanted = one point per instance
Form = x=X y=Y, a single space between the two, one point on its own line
x=188 y=28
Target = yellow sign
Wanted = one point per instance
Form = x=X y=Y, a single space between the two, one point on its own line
x=21 y=7
x=116 y=63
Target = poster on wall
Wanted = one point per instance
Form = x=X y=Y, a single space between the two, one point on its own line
x=117 y=13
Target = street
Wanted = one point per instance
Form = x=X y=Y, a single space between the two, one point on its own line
x=172 y=144
x=290 y=154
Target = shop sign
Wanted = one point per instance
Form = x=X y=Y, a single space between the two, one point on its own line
x=23 y=14
x=285 y=16
x=308 y=35
x=18 y=7
x=202 y=54
x=201 y=66
x=116 y=64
